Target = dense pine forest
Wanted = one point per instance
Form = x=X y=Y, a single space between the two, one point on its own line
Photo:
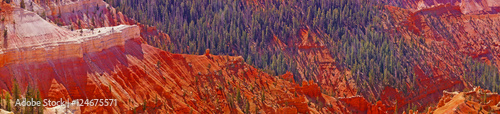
x=351 y=29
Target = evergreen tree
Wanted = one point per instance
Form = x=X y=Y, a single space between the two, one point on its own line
x=8 y=107
x=1 y=100
x=17 y=94
x=22 y=4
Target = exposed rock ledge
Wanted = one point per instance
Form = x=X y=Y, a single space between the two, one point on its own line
x=26 y=44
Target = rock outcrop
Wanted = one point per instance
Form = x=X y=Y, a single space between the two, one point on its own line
x=111 y=59
x=448 y=32
x=465 y=6
x=475 y=101
x=89 y=14
x=115 y=63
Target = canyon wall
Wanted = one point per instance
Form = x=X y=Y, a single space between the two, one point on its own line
x=466 y=6
x=115 y=63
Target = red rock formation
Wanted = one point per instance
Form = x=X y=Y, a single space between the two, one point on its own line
x=57 y=91
x=465 y=29
x=310 y=89
x=115 y=63
x=475 y=101
x=312 y=54
x=86 y=14
x=466 y=6
x=357 y=103
x=309 y=40
x=207 y=52
x=287 y=110
x=288 y=76
x=299 y=104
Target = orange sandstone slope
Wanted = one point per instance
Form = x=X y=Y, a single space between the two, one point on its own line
x=87 y=14
x=475 y=101
x=115 y=63
x=465 y=6
x=315 y=60
x=448 y=33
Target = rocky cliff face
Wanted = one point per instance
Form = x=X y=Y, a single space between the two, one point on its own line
x=475 y=101
x=448 y=32
x=88 y=14
x=115 y=63
x=465 y=6
x=77 y=13
x=106 y=56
